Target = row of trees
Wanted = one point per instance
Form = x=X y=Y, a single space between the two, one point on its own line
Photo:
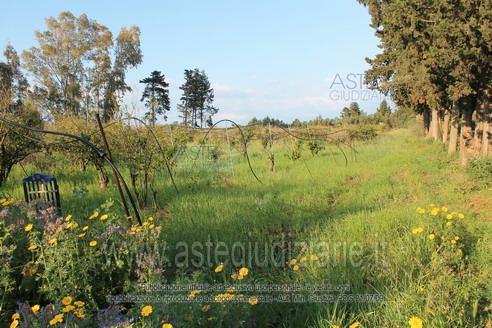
x=351 y=114
x=436 y=59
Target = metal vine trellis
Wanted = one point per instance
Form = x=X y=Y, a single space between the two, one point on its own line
x=104 y=155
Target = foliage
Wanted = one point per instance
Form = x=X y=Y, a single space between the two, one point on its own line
x=156 y=96
x=76 y=152
x=15 y=145
x=362 y=133
x=315 y=147
x=296 y=151
x=351 y=113
x=78 y=68
x=197 y=99
x=480 y=170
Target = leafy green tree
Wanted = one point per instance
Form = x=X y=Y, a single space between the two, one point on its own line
x=384 y=109
x=77 y=68
x=352 y=113
x=156 y=96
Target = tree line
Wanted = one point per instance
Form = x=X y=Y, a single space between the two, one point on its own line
x=436 y=60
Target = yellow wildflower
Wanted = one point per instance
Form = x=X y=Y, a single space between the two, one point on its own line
x=15 y=316
x=435 y=211
x=205 y=308
x=334 y=326
x=85 y=228
x=151 y=219
x=415 y=322
x=28 y=227
x=420 y=210
x=79 y=313
x=253 y=300
x=219 y=268
x=79 y=303
x=444 y=209
x=52 y=241
x=449 y=216
x=293 y=261
x=68 y=308
x=93 y=243
x=192 y=295
x=417 y=230
x=32 y=247
x=432 y=236
x=152 y=226
x=461 y=215
x=420 y=289
x=355 y=325
x=67 y=300
x=57 y=319
x=449 y=223
x=303 y=260
x=243 y=272
x=35 y=308
x=314 y=257
x=146 y=311
x=104 y=217
x=82 y=235
x=68 y=218
x=453 y=242
x=14 y=324
x=94 y=215
x=167 y=325
x=456 y=238
x=296 y=268
x=234 y=276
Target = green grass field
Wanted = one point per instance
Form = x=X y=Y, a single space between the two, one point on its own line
x=356 y=219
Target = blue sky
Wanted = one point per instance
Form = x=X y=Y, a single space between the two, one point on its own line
x=287 y=59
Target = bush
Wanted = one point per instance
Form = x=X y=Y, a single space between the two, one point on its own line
x=363 y=133
x=315 y=147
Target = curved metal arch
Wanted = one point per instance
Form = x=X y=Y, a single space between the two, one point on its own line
x=159 y=145
x=244 y=143
x=96 y=150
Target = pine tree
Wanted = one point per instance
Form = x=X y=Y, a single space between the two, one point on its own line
x=197 y=99
x=156 y=96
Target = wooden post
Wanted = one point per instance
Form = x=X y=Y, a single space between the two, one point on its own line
x=108 y=152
